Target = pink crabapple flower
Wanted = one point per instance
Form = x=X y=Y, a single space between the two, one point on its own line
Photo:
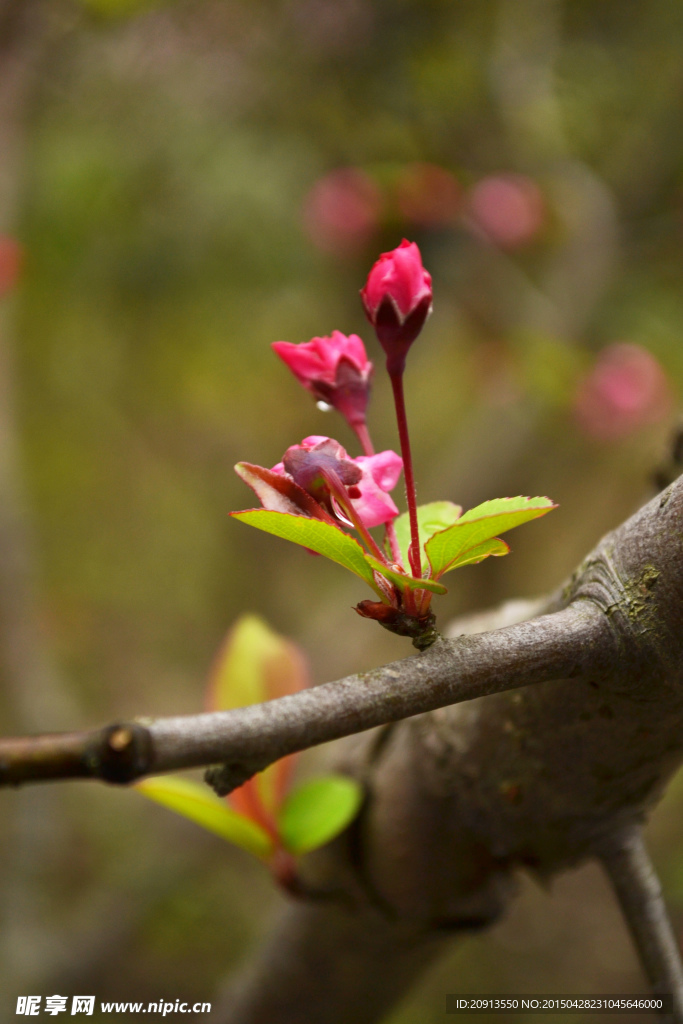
x=626 y=389
x=335 y=370
x=367 y=478
x=397 y=298
x=508 y=209
x=341 y=211
x=380 y=475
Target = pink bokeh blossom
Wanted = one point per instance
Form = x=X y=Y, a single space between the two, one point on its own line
x=11 y=258
x=508 y=209
x=626 y=389
x=341 y=212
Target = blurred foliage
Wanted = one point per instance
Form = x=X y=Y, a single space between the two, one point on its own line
x=170 y=153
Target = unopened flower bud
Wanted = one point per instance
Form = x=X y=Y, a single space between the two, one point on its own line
x=336 y=371
x=398 y=299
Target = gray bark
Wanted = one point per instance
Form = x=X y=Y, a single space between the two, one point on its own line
x=637 y=888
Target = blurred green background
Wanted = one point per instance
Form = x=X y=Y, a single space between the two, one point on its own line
x=190 y=181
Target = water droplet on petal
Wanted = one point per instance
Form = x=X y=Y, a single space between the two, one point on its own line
x=324 y=407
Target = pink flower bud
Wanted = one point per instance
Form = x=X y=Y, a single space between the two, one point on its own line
x=398 y=299
x=335 y=370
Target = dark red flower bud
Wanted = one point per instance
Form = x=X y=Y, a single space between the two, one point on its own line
x=398 y=299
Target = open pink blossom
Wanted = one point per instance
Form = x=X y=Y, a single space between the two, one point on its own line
x=380 y=475
x=335 y=370
x=324 y=470
x=397 y=298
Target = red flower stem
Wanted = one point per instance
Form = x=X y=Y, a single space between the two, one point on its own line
x=339 y=491
x=425 y=602
x=399 y=401
x=363 y=435
x=390 y=533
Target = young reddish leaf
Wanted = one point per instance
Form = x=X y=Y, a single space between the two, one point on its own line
x=436 y=515
x=279 y=493
x=451 y=547
x=200 y=805
x=318 y=811
x=255 y=664
x=323 y=538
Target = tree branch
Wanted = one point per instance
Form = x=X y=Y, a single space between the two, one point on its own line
x=247 y=739
x=637 y=887
x=459 y=799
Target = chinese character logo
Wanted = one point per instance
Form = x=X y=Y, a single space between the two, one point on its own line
x=83 y=1004
x=55 y=1004
x=29 y=1006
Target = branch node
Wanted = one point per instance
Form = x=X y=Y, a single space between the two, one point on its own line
x=226 y=777
x=120 y=753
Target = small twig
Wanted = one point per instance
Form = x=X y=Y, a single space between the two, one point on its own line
x=639 y=892
x=564 y=644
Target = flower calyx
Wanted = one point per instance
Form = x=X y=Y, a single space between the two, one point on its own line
x=421 y=629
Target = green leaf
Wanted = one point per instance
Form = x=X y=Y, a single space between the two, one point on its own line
x=324 y=538
x=436 y=515
x=454 y=546
x=412 y=582
x=495 y=546
x=318 y=811
x=200 y=805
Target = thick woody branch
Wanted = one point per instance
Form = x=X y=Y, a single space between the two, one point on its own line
x=247 y=739
x=540 y=778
